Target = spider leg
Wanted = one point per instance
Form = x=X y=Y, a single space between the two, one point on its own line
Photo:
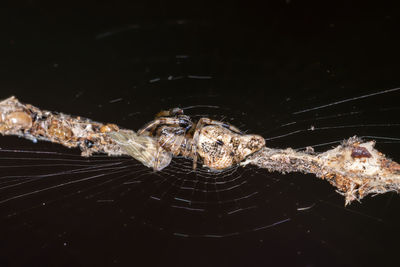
x=157 y=159
x=195 y=141
x=157 y=122
x=169 y=112
x=222 y=124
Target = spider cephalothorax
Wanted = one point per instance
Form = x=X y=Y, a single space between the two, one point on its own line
x=218 y=144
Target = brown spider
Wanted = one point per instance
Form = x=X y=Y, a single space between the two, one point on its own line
x=218 y=144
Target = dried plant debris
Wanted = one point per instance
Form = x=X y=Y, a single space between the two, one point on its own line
x=91 y=137
x=355 y=167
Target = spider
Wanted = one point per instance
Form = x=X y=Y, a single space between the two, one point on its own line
x=218 y=144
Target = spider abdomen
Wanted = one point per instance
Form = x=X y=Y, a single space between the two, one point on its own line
x=221 y=148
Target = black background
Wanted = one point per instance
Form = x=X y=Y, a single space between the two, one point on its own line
x=260 y=63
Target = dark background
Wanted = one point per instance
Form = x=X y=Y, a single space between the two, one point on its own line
x=260 y=63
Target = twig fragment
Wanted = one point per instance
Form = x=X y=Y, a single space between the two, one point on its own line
x=355 y=167
x=91 y=137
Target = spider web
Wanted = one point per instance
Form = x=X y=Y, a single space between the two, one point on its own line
x=199 y=203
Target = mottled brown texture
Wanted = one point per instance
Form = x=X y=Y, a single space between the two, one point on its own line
x=221 y=148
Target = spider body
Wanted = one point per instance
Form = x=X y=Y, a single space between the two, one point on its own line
x=218 y=144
